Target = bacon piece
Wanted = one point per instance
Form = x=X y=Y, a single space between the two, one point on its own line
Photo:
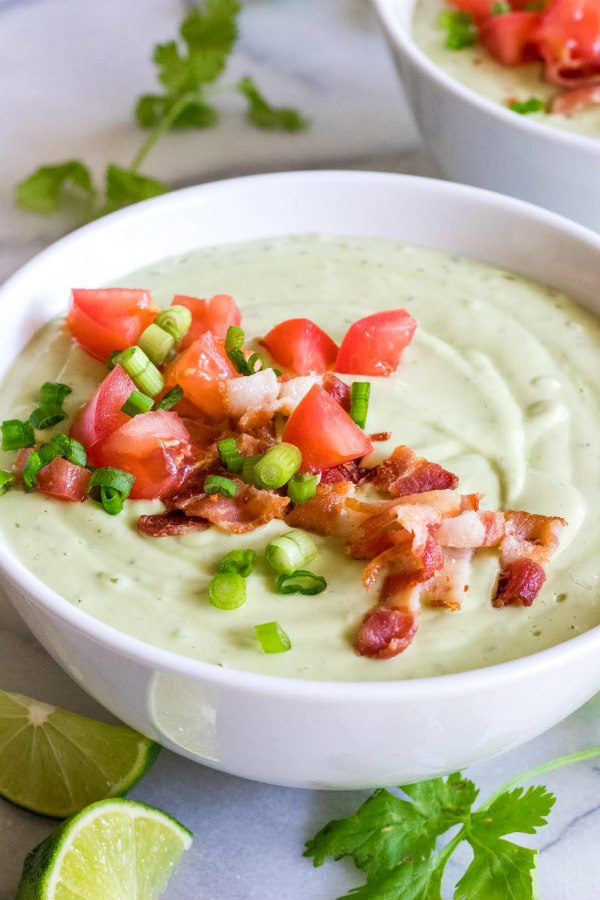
x=448 y=586
x=389 y=627
x=472 y=529
x=531 y=535
x=248 y=510
x=406 y=473
x=569 y=103
x=380 y=436
x=350 y=471
x=520 y=582
x=321 y=514
x=339 y=390
x=170 y=524
x=447 y=503
x=419 y=565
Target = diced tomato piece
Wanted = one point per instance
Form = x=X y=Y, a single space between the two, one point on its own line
x=302 y=346
x=215 y=315
x=325 y=434
x=568 y=38
x=153 y=446
x=479 y=9
x=201 y=370
x=510 y=37
x=60 y=478
x=109 y=319
x=374 y=345
x=102 y=413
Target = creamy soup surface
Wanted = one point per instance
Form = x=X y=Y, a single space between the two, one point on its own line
x=499 y=385
x=475 y=68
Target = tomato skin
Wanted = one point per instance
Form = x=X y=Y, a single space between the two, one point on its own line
x=109 y=319
x=325 y=434
x=60 y=478
x=153 y=446
x=568 y=39
x=510 y=37
x=479 y=9
x=374 y=345
x=102 y=413
x=215 y=315
x=200 y=370
x=301 y=345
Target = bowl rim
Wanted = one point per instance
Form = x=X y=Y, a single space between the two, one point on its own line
x=388 y=16
x=52 y=605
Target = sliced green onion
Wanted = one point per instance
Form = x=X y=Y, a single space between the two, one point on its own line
x=359 y=402
x=16 y=434
x=230 y=456
x=56 y=446
x=277 y=466
x=52 y=393
x=240 y=561
x=227 y=590
x=143 y=373
x=170 y=399
x=113 y=359
x=290 y=552
x=234 y=341
x=301 y=582
x=156 y=343
x=30 y=471
x=110 y=487
x=272 y=638
x=526 y=107
x=175 y=320
x=253 y=360
x=46 y=416
x=302 y=487
x=460 y=29
x=7 y=479
x=137 y=403
x=76 y=453
x=217 y=484
x=111 y=500
x=248 y=467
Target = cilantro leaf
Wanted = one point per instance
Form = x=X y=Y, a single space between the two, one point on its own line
x=513 y=811
x=410 y=881
x=197 y=113
x=502 y=871
x=42 y=191
x=388 y=830
x=261 y=113
x=209 y=35
x=124 y=187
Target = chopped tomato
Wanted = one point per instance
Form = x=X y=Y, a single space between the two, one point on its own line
x=479 y=9
x=59 y=478
x=153 y=446
x=109 y=319
x=374 y=345
x=510 y=37
x=568 y=39
x=200 y=371
x=302 y=346
x=215 y=315
x=102 y=413
x=325 y=434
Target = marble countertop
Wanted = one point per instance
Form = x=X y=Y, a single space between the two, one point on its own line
x=63 y=95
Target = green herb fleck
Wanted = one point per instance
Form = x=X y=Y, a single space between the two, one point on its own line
x=501 y=8
x=460 y=29
x=526 y=107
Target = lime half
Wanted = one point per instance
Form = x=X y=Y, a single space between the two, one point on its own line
x=113 y=850
x=54 y=762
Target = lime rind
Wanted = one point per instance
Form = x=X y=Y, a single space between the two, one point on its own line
x=72 y=760
x=116 y=848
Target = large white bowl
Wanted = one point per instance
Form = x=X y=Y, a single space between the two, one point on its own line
x=293 y=732
x=479 y=142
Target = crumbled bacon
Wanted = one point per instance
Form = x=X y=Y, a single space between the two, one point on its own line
x=321 y=514
x=569 y=103
x=380 y=436
x=249 y=509
x=350 y=471
x=406 y=473
x=472 y=529
x=519 y=582
x=385 y=633
x=338 y=389
x=447 y=503
x=170 y=524
x=449 y=584
x=527 y=534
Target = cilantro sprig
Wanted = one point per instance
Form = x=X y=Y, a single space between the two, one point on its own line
x=394 y=839
x=187 y=70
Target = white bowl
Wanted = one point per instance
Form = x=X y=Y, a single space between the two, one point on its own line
x=476 y=141
x=284 y=731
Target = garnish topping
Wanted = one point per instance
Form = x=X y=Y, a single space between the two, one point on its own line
x=291 y=552
x=301 y=582
x=272 y=638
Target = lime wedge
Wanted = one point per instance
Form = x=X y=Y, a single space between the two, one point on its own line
x=54 y=762
x=113 y=850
